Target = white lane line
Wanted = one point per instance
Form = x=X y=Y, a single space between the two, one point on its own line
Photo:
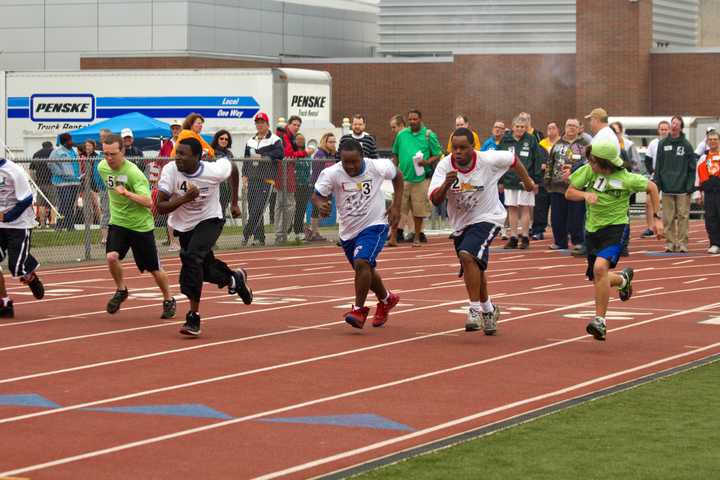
x=547 y=286
x=652 y=289
x=351 y=393
x=683 y=262
x=317 y=268
x=695 y=281
x=410 y=271
x=505 y=274
x=430 y=255
x=451 y=282
x=468 y=418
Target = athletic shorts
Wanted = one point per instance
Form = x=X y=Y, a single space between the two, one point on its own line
x=519 y=198
x=606 y=243
x=415 y=199
x=15 y=246
x=121 y=239
x=367 y=245
x=476 y=240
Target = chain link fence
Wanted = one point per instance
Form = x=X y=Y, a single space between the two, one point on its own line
x=274 y=198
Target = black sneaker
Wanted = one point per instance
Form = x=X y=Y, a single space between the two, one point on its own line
x=36 y=286
x=512 y=243
x=423 y=238
x=625 y=252
x=410 y=238
x=400 y=236
x=241 y=287
x=169 y=307
x=7 y=310
x=192 y=324
x=524 y=243
x=114 y=304
x=627 y=291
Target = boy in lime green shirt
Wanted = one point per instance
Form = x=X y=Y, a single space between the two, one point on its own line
x=606 y=187
x=131 y=224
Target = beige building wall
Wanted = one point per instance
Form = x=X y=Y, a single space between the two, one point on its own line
x=709 y=17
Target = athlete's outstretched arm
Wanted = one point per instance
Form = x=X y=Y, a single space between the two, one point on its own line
x=139 y=199
x=652 y=207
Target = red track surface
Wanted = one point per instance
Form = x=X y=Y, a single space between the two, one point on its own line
x=290 y=355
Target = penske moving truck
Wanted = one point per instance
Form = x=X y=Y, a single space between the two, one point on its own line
x=37 y=106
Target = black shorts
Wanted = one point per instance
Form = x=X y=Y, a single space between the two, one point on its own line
x=121 y=239
x=476 y=240
x=15 y=246
x=606 y=243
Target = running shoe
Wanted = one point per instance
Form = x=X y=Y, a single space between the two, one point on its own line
x=713 y=250
x=192 y=324
x=579 y=251
x=626 y=291
x=7 y=310
x=357 y=316
x=538 y=236
x=382 y=311
x=169 y=307
x=474 y=320
x=423 y=238
x=597 y=328
x=490 y=320
x=524 y=243
x=647 y=233
x=36 y=286
x=240 y=286
x=512 y=243
x=114 y=304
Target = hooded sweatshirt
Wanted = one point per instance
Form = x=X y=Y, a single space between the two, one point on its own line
x=675 y=165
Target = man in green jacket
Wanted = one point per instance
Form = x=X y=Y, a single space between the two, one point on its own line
x=675 y=177
x=518 y=202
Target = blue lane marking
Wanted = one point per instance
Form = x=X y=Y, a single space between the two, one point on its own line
x=225 y=102
x=181 y=410
x=671 y=254
x=27 y=400
x=361 y=420
x=242 y=112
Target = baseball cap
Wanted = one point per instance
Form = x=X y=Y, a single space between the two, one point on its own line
x=709 y=129
x=598 y=113
x=262 y=116
x=607 y=150
x=175 y=122
x=126 y=132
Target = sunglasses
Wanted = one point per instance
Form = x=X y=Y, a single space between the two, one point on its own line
x=224 y=138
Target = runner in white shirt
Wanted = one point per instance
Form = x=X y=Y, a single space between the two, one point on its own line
x=197 y=219
x=468 y=179
x=356 y=183
x=17 y=220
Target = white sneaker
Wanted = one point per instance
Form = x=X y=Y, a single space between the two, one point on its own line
x=714 y=250
x=474 y=320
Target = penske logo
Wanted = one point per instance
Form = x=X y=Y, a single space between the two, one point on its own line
x=308 y=101
x=62 y=107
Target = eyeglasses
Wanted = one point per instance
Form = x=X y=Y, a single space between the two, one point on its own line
x=332 y=141
x=224 y=138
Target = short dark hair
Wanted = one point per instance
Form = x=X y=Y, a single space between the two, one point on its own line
x=47 y=144
x=416 y=112
x=463 y=116
x=464 y=132
x=64 y=138
x=114 y=138
x=679 y=117
x=359 y=116
x=553 y=122
x=194 y=145
x=293 y=118
x=663 y=122
x=350 y=145
x=217 y=136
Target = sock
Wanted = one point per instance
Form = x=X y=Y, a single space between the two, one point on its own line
x=356 y=308
x=602 y=319
x=624 y=282
x=487 y=307
x=385 y=300
x=477 y=306
x=5 y=301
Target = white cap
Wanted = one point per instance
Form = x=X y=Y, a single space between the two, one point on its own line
x=175 y=122
x=126 y=132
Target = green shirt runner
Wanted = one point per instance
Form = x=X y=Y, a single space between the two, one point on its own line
x=408 y=143
x=613 y=192
x=123 y=211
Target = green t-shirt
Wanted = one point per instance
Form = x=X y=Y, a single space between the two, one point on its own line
x=408 y=143
x=123 y=211
x=613 y=192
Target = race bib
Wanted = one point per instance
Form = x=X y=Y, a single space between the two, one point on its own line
x=600 y=184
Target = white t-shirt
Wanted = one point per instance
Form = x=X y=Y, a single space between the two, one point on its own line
x=474 y=198
x=606 y=133
x=207 y=178
x=701 y=148
x=14 y=187
x=652 y=150
x=360 y=200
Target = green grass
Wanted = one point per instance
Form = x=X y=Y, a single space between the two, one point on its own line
x=667 y=429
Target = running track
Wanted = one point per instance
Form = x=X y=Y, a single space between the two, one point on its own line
x=290 y=355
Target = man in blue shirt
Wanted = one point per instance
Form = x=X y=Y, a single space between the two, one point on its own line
x=66 y=179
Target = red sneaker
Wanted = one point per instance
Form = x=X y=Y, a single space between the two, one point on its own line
x=357 y=316
x=383 y=310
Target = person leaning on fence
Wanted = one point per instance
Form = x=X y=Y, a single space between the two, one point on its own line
x=263 y=152
x=66 y=179
x=131 y=224
x=323 y=158
x=285 y=180
x=191 y=128
x=17 y=220
x=358 y=133
x=89 y=159
x=41 y=171
x=222 y=144
x=675 y=177
x=131 y=150
x=708 y=174
x=415 y=152
x=303 y=190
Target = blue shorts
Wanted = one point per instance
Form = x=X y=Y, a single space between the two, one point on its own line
x=367 y=245
x=606 y=243
x=476 y=240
